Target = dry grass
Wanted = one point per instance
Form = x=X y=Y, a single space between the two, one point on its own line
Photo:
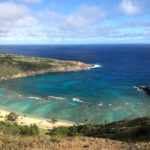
x=8 y=142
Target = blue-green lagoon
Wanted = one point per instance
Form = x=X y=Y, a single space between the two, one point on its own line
x=103 y=94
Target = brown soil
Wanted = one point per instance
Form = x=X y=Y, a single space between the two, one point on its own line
x=82 y=143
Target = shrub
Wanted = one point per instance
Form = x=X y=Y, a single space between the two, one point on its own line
x=15 y=129
x=29 y=130
x=12 y=117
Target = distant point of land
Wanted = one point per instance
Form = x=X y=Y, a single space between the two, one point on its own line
x=18 y=66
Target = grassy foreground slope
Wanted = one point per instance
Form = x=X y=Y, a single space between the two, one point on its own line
x=122 y=135
x=15 y=66
x=69 y=143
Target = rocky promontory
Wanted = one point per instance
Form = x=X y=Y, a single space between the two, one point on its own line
x=18 y=66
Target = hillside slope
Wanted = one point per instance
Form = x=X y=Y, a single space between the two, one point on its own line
x=122 y=135
x=71 y=143
x=17 y=66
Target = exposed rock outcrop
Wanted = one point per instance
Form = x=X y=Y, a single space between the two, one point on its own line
x=146 y=89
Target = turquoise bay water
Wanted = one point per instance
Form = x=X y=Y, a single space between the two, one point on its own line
x=100 y=95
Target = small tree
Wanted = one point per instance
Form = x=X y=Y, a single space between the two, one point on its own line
x=12 y=117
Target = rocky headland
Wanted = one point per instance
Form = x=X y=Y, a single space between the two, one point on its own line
x=18 y=66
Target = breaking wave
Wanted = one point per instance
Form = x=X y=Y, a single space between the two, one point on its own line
x=32 y=97
x=94 y=66
x=55 y=98
x=138 y=89
x=77 y=100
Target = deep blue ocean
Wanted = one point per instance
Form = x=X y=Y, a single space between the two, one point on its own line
x=104 y=94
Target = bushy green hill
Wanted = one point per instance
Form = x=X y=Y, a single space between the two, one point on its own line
x=137 y=129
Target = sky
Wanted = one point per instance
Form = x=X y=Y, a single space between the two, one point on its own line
x=74 y=21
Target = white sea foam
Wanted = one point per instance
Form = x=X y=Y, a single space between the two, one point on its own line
x=32 y=97
x=20 y=95
x=77 y=100
x=138 y=89
x=133 y=110
x=127 y=103
x=17 y=94
x=139 y=103
x=94 y=66
x=56 y=98
x=110 y=105
x=118 y=108
x=100 y=104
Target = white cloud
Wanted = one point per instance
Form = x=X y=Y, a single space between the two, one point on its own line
x=27 y=21
x=80 y=19
x=11 y=12
x=15 y=20
x=20 y=23
x=78 y=24
x=29 y=1
x=129 y=7
x=85 y=16
x=147 y=32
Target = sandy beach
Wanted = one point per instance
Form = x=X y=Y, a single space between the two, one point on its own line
x=40 y=122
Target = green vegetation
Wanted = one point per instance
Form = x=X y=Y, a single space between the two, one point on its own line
x=138 y=129
x=12 y=117
x=16 y=137
x=15 y=129
x=14 y=64
x=29 y=130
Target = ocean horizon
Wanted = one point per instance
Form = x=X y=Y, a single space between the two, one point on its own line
x=103 y=94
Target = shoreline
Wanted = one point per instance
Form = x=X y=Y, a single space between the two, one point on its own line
x=42 y=72
x=40 y=122
x=23 y=66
